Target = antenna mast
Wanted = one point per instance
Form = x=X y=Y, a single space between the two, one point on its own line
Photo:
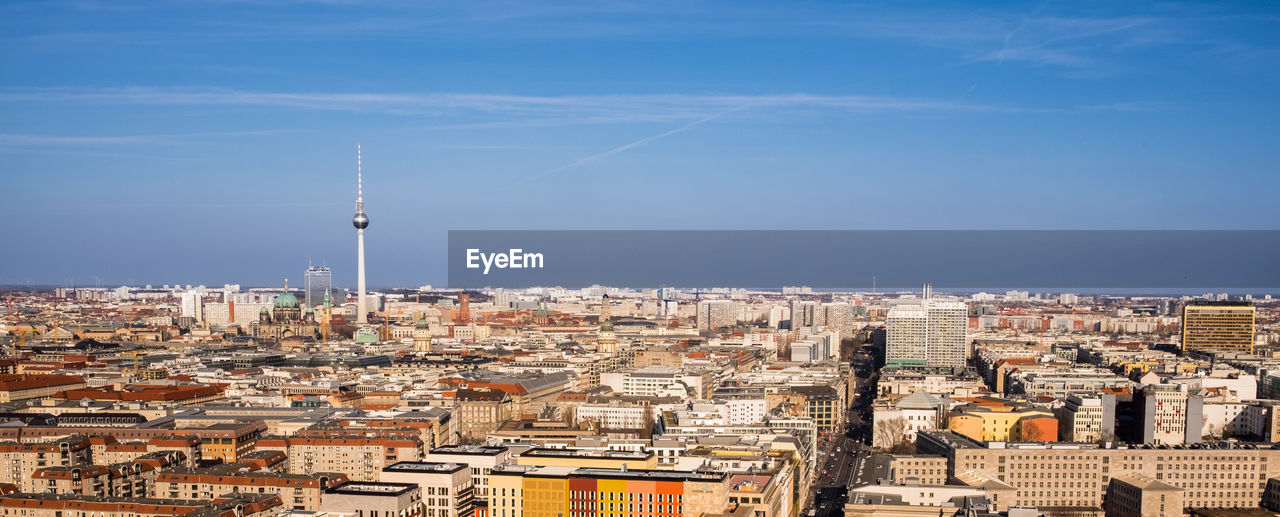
x=359 y=180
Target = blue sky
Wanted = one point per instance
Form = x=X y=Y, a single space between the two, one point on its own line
x=214 y=141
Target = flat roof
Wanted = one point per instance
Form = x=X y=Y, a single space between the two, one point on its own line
x=545 y=452
x=475 y=450
x=424 y=466
x=649 y=474
x=375 y=488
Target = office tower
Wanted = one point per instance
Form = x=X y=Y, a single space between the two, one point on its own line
x=931 y=333
x=1218 y=326
x=319 y=280
x=360 y=221
x=193 y=305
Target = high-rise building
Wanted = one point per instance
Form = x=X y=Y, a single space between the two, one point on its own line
x=716 y=314
x=1218 y=326
x=803 y=314
x=193 y=305
x=931 y=332
x=319 y=281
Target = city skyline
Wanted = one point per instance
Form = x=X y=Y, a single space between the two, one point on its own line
x=232 y=123
x=639 y=259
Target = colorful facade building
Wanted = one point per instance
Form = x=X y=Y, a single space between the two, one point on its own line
x=522 y=491
x=991 y=420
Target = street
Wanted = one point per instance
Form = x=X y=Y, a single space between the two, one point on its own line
x=841 y=457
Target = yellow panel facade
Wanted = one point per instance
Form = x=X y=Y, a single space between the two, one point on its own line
x=546 y=496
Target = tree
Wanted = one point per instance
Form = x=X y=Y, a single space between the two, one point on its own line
x=647 y=423
x=890 y=432
x=1035 y=433
x=1108 y=435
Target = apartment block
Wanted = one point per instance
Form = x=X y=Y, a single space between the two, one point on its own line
x=360 y=458
x=296 y=491
x=62 y=505
x=107 y=450
x=19 y=460
x=373 y=499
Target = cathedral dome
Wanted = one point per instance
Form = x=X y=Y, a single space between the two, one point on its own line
x=422 y=324
x=286 y=301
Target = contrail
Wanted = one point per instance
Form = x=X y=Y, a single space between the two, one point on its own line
x=632 y=145
x=1005 y=48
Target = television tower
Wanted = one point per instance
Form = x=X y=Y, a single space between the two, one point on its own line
x=360 y=221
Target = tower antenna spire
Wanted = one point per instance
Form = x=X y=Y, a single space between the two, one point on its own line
x=359 y=180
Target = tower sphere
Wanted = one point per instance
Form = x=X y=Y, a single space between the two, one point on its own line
x=360 y=221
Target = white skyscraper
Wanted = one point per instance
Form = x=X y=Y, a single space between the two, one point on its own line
x=932 y=331
x=360 y=221
x=193 y=305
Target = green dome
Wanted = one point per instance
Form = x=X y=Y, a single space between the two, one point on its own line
x=422 y=324
x=286 y=301
x=366 y=335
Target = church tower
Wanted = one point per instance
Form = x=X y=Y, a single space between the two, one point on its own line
x=605 y=340
x=422 y=336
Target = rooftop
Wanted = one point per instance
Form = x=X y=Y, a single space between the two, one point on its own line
x=474 y=450
x=373 y=488
x=541 y=452
x=423 y=466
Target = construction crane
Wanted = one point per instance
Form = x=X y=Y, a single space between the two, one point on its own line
x=134 y=354
x=20 y=332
